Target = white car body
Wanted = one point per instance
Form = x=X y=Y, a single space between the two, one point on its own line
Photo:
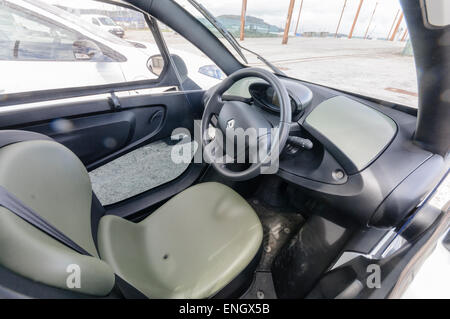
x=81 y=73
x=105 y=23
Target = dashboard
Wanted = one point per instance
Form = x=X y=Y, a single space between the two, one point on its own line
x=265 y=97
x=261 y=94
x=363 y=161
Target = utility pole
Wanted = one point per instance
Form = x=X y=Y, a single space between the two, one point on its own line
x=405 y=34
x=393 y=22
x=340 y=19
x=356 y=19
x=394 y=33
x=288 y=22
x=299 y=13
x=370 y=21
x=243 y=12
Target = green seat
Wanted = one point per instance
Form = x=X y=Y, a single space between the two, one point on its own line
x=191 y=247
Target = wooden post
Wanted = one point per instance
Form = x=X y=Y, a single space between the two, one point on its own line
x=243 y=12
x=405 y=34
x=288 y=22
x=299 y=13
x=340 y=19
x=393 y=23
x=394 y=33
x=370 y=21
x=356 y=19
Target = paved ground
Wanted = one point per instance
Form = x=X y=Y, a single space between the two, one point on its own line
x=369 y=67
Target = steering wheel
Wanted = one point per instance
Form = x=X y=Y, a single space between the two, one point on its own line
x=233 y=118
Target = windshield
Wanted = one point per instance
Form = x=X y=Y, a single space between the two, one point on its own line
x=106 y=21
x=364 y=49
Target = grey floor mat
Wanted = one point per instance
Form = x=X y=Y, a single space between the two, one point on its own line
x=136 y=172
x=279 y=225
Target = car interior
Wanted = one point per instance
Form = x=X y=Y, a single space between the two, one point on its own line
x=352 y=187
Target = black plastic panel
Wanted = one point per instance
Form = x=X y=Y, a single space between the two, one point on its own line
x=94 y=137
x=316 y=164
x=303 y=260
x=140 y=120
x=361 y=195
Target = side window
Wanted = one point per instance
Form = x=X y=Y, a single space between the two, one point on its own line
x=212 y=71
x=70 y=44
x=196 y=70
x=26 y=36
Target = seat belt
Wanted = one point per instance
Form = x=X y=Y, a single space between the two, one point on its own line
x=15 y=205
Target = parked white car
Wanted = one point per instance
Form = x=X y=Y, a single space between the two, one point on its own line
x=105 y=23
x=33 y=35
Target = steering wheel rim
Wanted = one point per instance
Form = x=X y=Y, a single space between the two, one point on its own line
x=277 y=141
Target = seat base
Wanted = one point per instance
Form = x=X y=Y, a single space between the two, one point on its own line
x=191 y=247
x=242 y=283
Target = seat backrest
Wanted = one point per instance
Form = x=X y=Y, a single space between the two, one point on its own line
x=51 y=180
x=48 y=178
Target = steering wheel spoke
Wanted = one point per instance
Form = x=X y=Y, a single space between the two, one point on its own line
x=263 y=157
x=214 y=153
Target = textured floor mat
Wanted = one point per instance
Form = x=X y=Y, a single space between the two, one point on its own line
x=279 y=225
x=262 y=287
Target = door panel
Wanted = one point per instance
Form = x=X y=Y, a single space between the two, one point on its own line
x=83 y=126
x=99 y=134
x=94 y=137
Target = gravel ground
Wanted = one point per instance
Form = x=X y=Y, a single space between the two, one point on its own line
x=367 y=67
x=370 y=67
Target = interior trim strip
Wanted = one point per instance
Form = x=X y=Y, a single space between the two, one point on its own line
x=90 y=98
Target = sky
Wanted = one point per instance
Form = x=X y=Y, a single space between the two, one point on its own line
x=317 y=15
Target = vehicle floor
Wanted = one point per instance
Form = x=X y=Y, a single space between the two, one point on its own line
x=279 y=225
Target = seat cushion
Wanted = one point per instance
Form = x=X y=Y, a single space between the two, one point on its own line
x=191 y=247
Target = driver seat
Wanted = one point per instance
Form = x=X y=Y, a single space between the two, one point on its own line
x=197 y=245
